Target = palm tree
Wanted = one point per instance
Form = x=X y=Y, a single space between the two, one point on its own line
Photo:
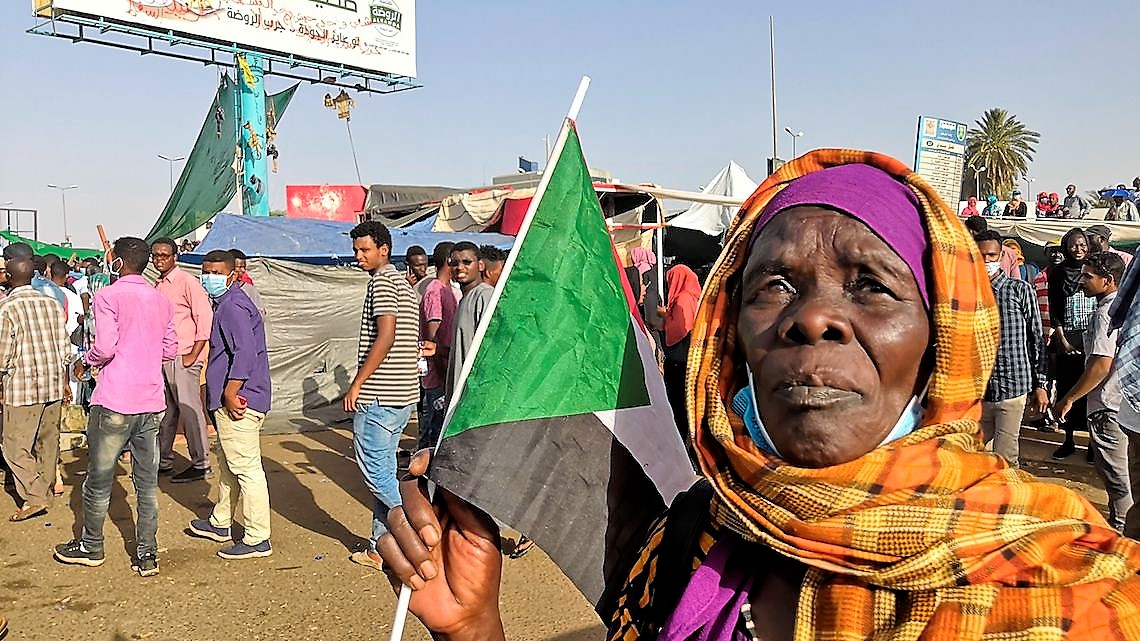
x=1005 y=147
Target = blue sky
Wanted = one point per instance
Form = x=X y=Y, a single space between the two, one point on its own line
x=679 y=89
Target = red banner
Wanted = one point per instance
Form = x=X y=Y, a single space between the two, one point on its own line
x=342 y=203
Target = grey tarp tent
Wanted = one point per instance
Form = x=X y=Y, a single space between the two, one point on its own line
x=312 y=301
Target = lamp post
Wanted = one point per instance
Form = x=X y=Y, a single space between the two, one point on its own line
x=794 y=135
x=172 y=160
x=1029 y=180
x=63 y=199
x=977 y=181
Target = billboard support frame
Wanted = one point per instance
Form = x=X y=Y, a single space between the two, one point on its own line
x=283 y=66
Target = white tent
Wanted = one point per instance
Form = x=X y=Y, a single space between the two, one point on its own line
x=732 y=182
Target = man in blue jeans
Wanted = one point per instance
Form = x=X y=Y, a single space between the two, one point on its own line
x=386 y=386
x=136 y=336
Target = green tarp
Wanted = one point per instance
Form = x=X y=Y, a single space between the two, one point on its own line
x=45 y=248
x=208 y=181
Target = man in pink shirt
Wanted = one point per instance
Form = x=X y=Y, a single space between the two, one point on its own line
x=437 y=321
x=193 y=316
x=135 y=340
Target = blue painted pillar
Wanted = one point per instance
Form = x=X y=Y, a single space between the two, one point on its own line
x=255 y=178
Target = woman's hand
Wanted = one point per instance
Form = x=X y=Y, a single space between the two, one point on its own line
x=449 y=554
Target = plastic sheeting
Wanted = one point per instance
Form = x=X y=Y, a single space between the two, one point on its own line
x=732 y=182
x=392 y=200
x=470 y=212
x=316 y=241
x=312 y=322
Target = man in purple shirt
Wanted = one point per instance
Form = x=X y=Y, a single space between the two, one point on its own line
x=238 y=397
x=136 y=336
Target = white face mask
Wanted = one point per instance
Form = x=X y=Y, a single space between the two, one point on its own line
x=745 y=405
x=993 y=268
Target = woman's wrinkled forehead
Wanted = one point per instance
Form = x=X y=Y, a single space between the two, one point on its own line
x=869 y=195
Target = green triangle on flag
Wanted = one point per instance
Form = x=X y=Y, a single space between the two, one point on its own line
x=560 y=426
x=560 y=340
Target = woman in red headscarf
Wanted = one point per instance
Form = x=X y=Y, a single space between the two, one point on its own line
x=971 y=208
x=680 y=313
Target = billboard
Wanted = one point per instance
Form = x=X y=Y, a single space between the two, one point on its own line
x=341 y=203
x=372 y=35
x=940 y=154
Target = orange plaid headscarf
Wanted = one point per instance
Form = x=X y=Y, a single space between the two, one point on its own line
x=928 y=537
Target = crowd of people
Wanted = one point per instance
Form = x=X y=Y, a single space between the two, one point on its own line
x=1121 y=204
x=1059 y=354
x=837 y=332
x=844 y=350
x=140 y=359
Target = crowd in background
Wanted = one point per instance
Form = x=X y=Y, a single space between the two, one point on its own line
x=1121 y=204
x=1062 y=361
x=135 y=360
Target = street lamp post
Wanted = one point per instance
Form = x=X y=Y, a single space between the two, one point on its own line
x=794 y=135
x=172 y=160
x=63 y=198
x=1029 y=180
x=977 y=181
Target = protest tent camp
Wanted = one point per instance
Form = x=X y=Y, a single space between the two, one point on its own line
x=312 y=296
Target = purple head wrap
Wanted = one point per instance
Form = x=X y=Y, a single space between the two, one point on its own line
x=869 y=195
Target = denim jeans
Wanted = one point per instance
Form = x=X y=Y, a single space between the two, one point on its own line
x=107 y=434
x=376 y=431
x=431 y=421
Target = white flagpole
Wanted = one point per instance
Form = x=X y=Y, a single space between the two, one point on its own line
x=406 y=592
x=660 y=237
x=551 y=162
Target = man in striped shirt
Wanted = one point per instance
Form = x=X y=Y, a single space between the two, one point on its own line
x=34 y=352
x=386 y=387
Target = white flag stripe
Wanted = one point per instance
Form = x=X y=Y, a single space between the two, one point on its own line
x=649 y=432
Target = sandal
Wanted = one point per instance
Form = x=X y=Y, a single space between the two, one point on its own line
x=364 y=558
x=28 y=512
x=521 y=548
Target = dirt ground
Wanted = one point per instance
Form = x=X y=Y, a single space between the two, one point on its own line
x=308 y=589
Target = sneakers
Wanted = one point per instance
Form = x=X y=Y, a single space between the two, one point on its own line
x=191 y=474
x=165 y=471
x=1067 y=448
x=146 y=565
x=240 y=550
x=202 y=528
x=73 y=553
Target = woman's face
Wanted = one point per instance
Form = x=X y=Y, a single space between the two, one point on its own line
x=1077 y=247
x=834 y=329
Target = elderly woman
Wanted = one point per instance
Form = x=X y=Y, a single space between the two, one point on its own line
x=841 y=350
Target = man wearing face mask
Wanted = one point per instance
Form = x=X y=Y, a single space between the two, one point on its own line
x=136 y=337
x=238 y=398
x=1020 y=371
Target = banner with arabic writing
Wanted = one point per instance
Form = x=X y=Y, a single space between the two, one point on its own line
x=373 y=35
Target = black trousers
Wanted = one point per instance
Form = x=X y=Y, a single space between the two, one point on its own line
x=1068 y=371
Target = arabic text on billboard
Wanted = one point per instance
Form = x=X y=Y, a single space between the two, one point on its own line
x=940 y=154
x=373 y=35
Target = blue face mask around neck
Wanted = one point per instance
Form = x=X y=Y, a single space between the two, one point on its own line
x=744 y=404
